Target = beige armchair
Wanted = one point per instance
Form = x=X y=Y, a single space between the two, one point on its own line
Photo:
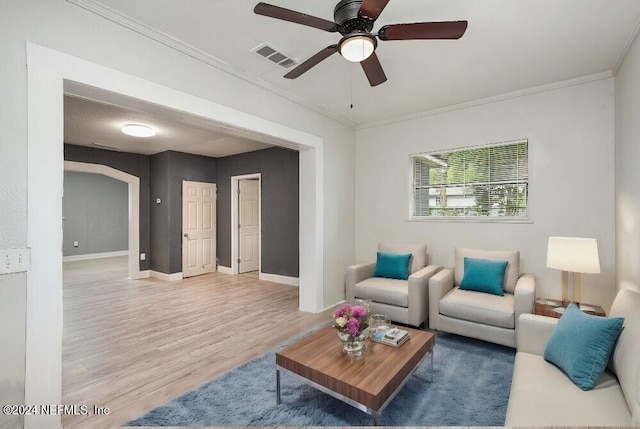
x=404 y=301
x=481 y=315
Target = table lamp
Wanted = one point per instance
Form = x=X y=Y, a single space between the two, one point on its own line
x=572 y=256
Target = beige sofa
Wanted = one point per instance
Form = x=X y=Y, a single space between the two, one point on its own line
x=542 y=395
x=404 y=301
x=480 y=315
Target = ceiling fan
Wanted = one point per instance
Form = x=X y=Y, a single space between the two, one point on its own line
x=354 y=20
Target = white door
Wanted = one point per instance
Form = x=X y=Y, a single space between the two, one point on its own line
x=198 y=228
x=248 y=225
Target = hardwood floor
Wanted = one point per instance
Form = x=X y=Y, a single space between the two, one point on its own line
x=132 y=345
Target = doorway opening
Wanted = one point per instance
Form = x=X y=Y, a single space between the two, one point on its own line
x=133 y=184
x=48 y=72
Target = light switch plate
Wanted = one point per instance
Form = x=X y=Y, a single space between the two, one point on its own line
x=15 y=260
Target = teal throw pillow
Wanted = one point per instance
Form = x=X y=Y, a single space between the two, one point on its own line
x=581 y=344
x=484 y=275
x=392 y=265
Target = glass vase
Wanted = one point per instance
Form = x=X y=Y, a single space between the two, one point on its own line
x=352 y=345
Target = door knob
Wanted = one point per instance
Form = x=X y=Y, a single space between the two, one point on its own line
x=186 y=235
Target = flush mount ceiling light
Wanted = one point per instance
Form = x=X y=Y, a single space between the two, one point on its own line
x=137 y=130
x=356 y=47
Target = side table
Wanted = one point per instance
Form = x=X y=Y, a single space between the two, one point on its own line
x=545 y=307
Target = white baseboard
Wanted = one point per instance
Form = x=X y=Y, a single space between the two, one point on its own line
x=225 y=270
x=88 y=256
x=332 y=306
x=143 y=275
x=292 y=281
x=276 y=278
x=166 y=277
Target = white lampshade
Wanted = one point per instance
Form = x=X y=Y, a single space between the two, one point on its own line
x=578 y=255
x=356 y=48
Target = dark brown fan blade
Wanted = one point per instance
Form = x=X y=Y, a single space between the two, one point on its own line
x=372 y=8
x=373 y=69
x=313 y=61
x=295 y=17
x=423 y=30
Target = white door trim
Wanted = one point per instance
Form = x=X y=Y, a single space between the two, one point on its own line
x=47 y=71
x=133 y=183
x=235 y=219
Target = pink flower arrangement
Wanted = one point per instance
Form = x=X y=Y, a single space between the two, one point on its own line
x=351 y=319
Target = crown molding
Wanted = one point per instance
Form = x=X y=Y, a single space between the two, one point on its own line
x=630 y=41
x=493 y=99
x=171 y=42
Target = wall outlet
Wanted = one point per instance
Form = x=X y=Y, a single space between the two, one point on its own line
x=143 y=256
x=75 y=244
x=15 y=260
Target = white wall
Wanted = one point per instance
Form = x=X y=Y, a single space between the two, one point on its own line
x=67 y=28
x=13 y=299
x=627 y=156
x=570 y=133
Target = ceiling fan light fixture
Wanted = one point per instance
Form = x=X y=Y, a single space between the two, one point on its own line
x=137 y=130
x=354 y=20
x=357 y=47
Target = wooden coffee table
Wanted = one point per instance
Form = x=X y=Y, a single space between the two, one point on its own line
x=368 y=383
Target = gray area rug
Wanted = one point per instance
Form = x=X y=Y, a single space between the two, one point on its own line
x=470 y=387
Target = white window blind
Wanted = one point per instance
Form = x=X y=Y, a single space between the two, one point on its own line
x=490 y=182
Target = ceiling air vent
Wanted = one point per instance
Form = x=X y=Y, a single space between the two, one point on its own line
x=272 y=54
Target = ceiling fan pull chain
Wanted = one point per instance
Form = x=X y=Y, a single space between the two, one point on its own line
x=352 y=67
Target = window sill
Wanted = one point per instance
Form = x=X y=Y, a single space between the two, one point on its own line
x=470 y=220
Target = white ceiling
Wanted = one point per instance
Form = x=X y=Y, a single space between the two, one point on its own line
x=510 y=45
x=98 y=124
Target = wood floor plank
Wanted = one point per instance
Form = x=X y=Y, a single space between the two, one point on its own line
x=133 y=345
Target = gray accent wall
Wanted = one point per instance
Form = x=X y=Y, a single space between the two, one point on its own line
x=280 y=221
x=95 y=209
x=159 y=213
x=131 y=163
x=168 y=170
x=161 y=176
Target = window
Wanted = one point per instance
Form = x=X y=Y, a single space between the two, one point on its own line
x=479 y=182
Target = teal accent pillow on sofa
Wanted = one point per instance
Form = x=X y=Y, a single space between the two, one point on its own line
x=392 y=265
x=581 y=344
x=483 y=275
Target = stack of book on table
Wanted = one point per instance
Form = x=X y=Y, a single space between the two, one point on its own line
x=393 y=337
